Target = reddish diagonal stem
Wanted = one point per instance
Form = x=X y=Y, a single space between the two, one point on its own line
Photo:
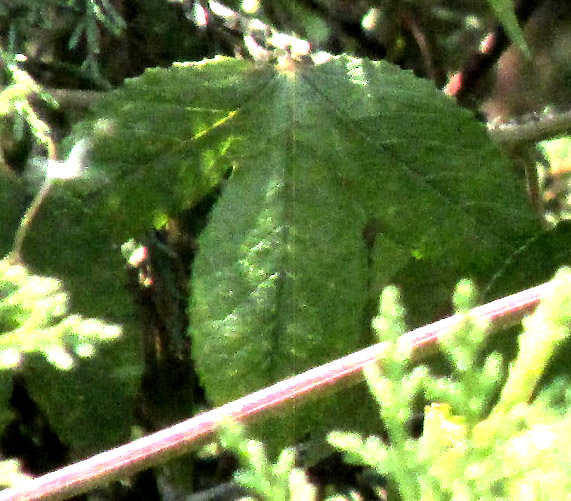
x=180 y=438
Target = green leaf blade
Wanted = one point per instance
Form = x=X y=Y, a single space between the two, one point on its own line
x=265 y=287
x=161 y=142
x=286 y=272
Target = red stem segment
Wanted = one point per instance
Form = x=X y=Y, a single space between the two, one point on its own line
x=180 y=438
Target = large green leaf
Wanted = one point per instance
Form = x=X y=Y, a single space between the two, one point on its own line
x=345 y=177
x=161 y=140
x=348 y=176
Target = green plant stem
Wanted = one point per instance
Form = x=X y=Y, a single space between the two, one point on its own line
x=15 y=255
x=178 y=439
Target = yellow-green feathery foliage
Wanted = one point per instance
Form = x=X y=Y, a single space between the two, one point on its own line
x=474 y=444
x=394 y=389
x=15 y=98
x=11 y=473
x=277 y=481
x=34 y=318
x=518 y=450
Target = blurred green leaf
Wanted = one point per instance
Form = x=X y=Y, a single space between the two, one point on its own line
x=56 y=312
x=505 y=12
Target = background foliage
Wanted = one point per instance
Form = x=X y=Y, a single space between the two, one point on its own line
x=394 y=184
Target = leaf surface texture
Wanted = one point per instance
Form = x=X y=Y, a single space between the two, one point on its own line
x=347 y=176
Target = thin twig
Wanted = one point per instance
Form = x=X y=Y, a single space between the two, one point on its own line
x=180 y=438
x=16 y=253
x=414 y=25
x=545 y=127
